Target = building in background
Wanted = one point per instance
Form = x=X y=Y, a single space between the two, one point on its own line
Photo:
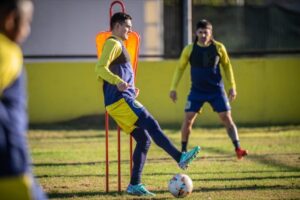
x=246 y=27
x=67 y=28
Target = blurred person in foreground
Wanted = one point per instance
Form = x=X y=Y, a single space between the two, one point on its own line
x=115 y=69
x=206 y=57
x=16 y=179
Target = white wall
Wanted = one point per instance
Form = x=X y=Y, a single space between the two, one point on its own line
x=69 y=27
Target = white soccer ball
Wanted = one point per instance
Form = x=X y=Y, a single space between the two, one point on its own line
x=181 y=185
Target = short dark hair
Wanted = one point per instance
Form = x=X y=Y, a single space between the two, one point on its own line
x=203 y=23
x=7 y=6
x=119 y=17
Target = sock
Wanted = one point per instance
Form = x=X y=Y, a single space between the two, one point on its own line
x=236 y=144
x=183 y=146
x=143 y=142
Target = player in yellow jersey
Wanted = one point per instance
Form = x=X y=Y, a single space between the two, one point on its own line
x=115 y=69
x=207 y=57
x=16 y=179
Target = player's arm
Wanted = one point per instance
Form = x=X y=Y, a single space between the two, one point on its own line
x=10 y=69
x=13 y=105
x=227 y=67
x=183 y=62
x=111 y=50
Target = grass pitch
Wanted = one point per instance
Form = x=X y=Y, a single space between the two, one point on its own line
x=71 y=164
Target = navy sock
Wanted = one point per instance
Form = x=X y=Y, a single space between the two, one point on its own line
x=183 y=146
x=143 y=142
x=236 y=144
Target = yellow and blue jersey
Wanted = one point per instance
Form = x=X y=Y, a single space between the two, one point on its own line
x=10 y=62
x=205 y=65
x=114 y=67
x=14 y=158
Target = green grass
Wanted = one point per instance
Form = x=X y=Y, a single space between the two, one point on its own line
x=71 y=164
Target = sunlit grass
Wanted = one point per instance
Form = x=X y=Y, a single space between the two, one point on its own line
x=71 y=164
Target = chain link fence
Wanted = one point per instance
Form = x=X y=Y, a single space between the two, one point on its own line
x=245 y=27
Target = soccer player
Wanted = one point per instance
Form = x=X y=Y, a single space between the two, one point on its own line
x=206 y=56
x=16 y=179
x=115 y=69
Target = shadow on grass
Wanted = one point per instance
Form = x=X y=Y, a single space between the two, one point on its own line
x=154 y=160
x=223 y=172
x=202 y=189
x=266 y=159
x=74 y=176
x=70 y=136
x=190 y=173
x=97 y=122
x=122 y=195
x=91 y=122
x=52 y=195
x=248 y=178
x=253 y=187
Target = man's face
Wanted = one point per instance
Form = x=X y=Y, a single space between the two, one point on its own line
x=204 y=35
x=17 y=23
x=26 y=12
x=123 y=29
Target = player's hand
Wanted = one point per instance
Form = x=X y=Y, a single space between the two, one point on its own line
x=122 y=86
x=232 y=94
x=137 y=92
x=173 y=96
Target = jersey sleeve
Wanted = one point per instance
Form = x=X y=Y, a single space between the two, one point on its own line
x=111 y=50
x=11 y=60
x=182 y=64
x=226 y=65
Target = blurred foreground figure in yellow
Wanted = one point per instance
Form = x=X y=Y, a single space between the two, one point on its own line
x=16 y=179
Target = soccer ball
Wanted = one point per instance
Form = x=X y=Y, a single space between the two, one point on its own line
x=181 y=185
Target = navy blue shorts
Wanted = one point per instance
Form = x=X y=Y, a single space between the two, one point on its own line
x=218 y=101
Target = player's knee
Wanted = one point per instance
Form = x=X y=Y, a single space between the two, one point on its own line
x=153 y=125
x=147 y=144
x=144 y=145
x=226 y=118
x=144 y=141
x=188 y=124
x=228 y=123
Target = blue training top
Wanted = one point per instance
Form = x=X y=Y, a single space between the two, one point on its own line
x=205 y=70
x=121 y=67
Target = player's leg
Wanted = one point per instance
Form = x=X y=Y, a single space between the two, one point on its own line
x=230 y=127
x=192 y=108
x=186 y=129
x=130 y=114
x=147 y=122
x=232 y=132
x=143 y=142
x=221 y=105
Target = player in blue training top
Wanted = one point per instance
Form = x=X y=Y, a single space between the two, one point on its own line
x=16 y=179
x=205 y=56
x=115 y=69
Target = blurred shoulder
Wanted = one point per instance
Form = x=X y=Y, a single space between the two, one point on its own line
x=113 y=42
x=219 y=44
x=11 y=60
x=188 y=49
x=189 y=46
